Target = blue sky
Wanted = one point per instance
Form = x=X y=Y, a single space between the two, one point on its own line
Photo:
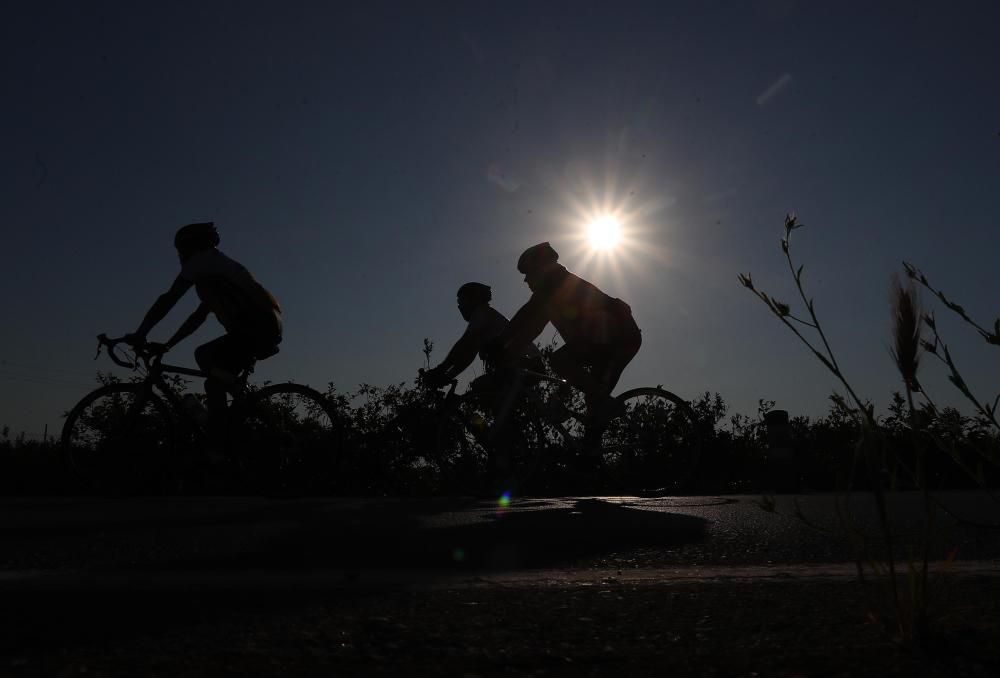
x=365 y=161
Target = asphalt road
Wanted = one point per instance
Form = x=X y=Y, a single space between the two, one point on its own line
x=543 y=587
x=222 y=539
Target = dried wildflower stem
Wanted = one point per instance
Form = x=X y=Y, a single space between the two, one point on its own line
x=907 y=328
x=869 y=428
x=991 y=337
x=783 y=313
x=955 y=377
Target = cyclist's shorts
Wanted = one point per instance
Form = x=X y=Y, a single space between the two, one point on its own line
x=235 y=352
x=498 y=382
x=623 y=342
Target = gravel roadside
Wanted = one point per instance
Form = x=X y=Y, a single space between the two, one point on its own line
x=809 y=626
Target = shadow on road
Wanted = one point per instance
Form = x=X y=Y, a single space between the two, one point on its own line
x=546 y=534
x=428 y=537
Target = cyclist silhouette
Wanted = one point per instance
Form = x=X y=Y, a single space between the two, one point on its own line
x=485 y=324
x=600 y=334
x=249 y=313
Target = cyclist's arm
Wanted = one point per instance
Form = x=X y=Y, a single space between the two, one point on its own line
x=461 y=355
x=158 y=311
x=187 y=328
x=526 y=325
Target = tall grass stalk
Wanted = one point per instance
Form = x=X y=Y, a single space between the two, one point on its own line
x=870 y=446
x=939 y=350
x=907 y=326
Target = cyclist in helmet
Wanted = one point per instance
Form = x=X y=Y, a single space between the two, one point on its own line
x=249 y=313
x=485 y=324
x=600 y=334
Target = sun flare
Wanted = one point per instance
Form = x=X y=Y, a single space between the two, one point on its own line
x=604 y=233
x=610 y=232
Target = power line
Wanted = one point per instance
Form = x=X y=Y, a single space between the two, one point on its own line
x=42 y=380
x=59 y=371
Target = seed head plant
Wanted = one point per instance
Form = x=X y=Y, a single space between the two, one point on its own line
x=870 y=449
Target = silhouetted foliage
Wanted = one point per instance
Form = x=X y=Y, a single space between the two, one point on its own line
x=387 y=437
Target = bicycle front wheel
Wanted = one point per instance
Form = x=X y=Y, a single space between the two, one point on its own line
x=651 y=442
x=286 y=439
x=119 y=438
x=477 y=454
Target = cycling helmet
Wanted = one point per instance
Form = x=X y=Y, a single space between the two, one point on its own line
x=536 y=258
x=475 y=292
x=195 y=237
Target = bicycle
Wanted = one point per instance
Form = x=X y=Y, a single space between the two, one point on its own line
x=278 y=438
x=529 y=439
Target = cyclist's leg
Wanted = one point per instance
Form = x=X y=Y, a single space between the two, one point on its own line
x=608 y=367
x=208 y=357
x=500 y=389
x=571 y=362
x=222 y=360
x=621 y=355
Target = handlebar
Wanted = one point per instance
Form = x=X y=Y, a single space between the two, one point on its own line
x=142 y=353
x=422 y=378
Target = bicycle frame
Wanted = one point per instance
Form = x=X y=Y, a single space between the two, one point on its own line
x=506 y=407
x=154 y=368
x=278 y=437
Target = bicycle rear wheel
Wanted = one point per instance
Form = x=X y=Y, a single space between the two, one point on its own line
x=461 y=453
x=119 y=438
x=286 y=439
x=651 y=442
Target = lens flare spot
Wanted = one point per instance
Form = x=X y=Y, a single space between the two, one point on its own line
x=504 y=500
x=458 y=554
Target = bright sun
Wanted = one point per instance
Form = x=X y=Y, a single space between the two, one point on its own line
x=604 y=233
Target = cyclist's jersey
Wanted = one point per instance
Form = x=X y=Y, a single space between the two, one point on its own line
x=241 y=304
x=578 y=310
x=486 y=324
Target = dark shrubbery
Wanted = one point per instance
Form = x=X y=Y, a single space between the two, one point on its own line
x=32 y=466
x=387 y=434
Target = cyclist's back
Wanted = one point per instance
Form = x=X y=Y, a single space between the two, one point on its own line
x=486 y=324
x=580 y=311
x=600 y=333
x=242 y=305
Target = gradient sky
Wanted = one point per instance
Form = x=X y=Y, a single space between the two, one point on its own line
x=365 y=161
